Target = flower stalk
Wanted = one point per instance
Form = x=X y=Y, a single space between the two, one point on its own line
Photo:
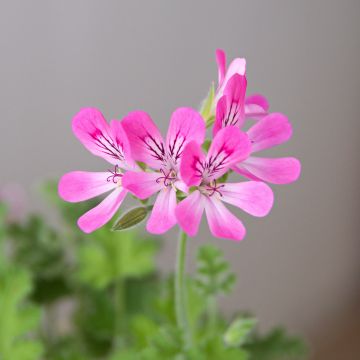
x=180 y=289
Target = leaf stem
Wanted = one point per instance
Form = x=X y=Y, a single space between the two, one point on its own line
x=180 y=289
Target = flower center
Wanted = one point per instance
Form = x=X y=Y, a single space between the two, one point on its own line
x=212 y=189
x=168 y=178
x=115 y=176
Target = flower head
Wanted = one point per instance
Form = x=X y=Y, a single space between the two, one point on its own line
x=110 y=142
x=163 y=158
x=201 y=171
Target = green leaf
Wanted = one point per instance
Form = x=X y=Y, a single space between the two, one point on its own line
x=18 y=319
x=108 y=256
x=277 y=345
x=131 y=218
x=238 y=332
x=213 y=276
x=206 y=108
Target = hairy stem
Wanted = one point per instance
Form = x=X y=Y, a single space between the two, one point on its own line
x=180 y=289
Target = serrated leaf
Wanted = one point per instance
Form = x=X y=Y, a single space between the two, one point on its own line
x=238 y=332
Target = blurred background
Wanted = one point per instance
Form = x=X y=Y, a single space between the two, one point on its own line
x=299 y=266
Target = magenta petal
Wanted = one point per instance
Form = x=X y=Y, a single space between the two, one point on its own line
x=230 y=107
x=189 y=212
x=190 y=166
x=145 y=140
x=91 y=128
x=276 y=171
x=141 y=184
x=254 y=197
x=102 y=213
x=222 y=222
x=119 y=135
x=256 y=106
x=82 y=185
x=185 y=125
x=272 y=130
x=163 y=217
x=229 y=146
x=221 y=63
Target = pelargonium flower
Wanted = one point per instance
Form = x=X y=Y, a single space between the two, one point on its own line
x=110 y=142
x=254 y=106
x=269 y=131
x=163 y=157
x=201 y=171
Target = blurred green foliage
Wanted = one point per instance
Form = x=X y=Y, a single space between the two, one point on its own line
x=121 y=307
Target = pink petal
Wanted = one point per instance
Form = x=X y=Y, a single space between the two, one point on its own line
x=82 y=185
x=272 y=130
x=230 y=107
x=221 y=63
x=146 y=142
x=190 y=165
x=141 y=184
x=121 y=139
x=102 y=213
x=185 y=125
x=256 y=106
x=162 y=217
x=254 y=197
x=237 y=66
x=222 y=222
x=189 y=212
x=91 y=128
x=276 y=171
x=229 y=146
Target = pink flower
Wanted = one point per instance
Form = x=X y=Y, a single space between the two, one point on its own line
x=148 y=146
x=229 y=147
x=110 y=142
x=269 y=131
x=254 y=106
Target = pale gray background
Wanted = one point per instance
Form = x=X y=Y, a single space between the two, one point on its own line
x=299 y=266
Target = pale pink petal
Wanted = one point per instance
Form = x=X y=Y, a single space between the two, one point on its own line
x=145 y=140
x=221 y=64
x=142 y=184
x=82 y=185
x=185 y=125
x=254 y=197
x=189 y=212
x=122 y=142
x=276 y=171
x=102 y=213
x=191 y=164
x=229 y=146
x=222 y=222
x=230 y=107
x=256 y=106
x=163 y=217
x=237 y=66
x=91 y=128
x=272 y=130
x=180 y=185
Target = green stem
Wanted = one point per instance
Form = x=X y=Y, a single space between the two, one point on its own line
x=180 y=289
x=212 y=314
x=119 y=310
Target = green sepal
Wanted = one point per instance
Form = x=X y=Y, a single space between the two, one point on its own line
x=207 y=104
x=131 y=218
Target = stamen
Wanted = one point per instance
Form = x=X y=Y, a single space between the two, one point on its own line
x=168 y=178
x=213 y=188
x=115 y=175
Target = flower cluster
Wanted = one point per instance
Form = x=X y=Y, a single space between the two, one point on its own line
x=186 y=180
